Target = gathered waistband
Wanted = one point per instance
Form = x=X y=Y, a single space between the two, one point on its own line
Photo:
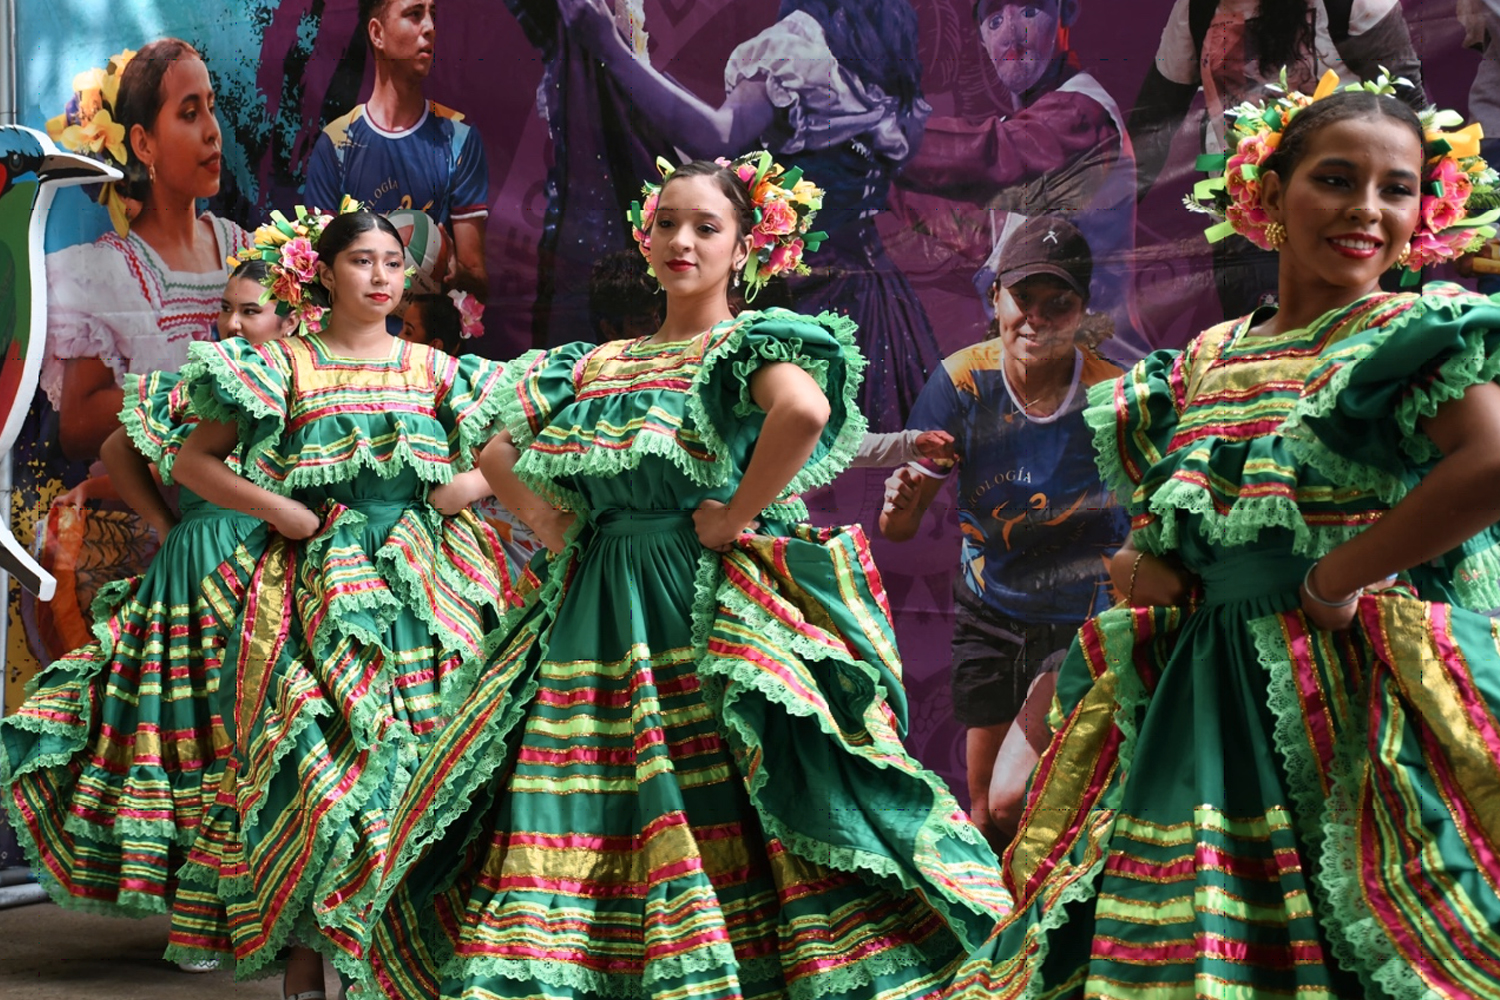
x=1252 y=575
x=373 y=506
x=642 y=522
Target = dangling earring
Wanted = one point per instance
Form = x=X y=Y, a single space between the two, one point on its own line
x=1275 y=235
x=151 y=172
x=736 y=281
x=1403 y=258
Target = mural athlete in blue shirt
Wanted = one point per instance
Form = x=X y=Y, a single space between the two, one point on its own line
x=400 y=150
x=1036 y=521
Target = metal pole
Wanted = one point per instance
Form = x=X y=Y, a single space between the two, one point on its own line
x=8 y=99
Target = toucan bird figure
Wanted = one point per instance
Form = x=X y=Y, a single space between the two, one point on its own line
x=32 y=168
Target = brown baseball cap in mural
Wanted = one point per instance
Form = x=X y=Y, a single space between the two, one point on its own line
x=1047 y=244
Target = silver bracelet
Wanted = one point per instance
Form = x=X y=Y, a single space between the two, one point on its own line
x=1307 y=588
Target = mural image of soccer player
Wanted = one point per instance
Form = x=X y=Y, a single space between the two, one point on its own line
x=1035 y=518
x=1059 y=148
x=400 y=150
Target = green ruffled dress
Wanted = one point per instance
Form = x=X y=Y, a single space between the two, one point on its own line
x=112 y=760
x=348 y=647
x=1236 y=804
x=681 y=774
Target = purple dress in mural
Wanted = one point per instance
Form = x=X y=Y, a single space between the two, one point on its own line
x=850 y=137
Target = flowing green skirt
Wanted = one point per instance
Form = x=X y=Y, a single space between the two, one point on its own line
x=111 y=761
x=681 y=775
x=339 y=667
x=1239 y=805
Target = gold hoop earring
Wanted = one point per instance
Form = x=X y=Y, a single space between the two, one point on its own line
x=1275 y=235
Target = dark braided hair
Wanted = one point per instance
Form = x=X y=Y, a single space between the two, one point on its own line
x=1342 y=106
x=254 y=269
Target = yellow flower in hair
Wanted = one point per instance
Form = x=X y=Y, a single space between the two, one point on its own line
x=99 y=133
x=805 y=192
x=270 y=236
x=88 y=86
x=119 y=212
x=110 y=84
x=1463 y=144
x=1327 y=84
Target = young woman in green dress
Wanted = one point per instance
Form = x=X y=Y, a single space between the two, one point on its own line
x=1274 y=769
x=357 y=621
x=112 y=760
x=680 y=773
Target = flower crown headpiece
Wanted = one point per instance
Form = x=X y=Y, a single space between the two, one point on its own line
x=1456 y=172
x=470 y=313
x=785 y=205
x=286 y=247
x=89 y=125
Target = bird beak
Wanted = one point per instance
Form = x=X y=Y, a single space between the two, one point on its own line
x=70 y=167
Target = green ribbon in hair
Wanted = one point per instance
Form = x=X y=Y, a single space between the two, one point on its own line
x=1218 y=232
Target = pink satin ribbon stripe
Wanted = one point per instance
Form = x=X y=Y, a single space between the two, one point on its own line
x=1316 y=718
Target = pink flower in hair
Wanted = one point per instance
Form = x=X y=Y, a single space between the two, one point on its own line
x=1240 y=187
x=1244 y=211
x=298 y=257
x=648 y=213
x=312 y=318
x=470 y=313
x=1428 y=248
x=777 y=217
x=1250 y=221
x=786 y=257
x=1440 y=212
x=1254 y=149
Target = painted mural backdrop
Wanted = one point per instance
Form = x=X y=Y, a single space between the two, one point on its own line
x=936 y=127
